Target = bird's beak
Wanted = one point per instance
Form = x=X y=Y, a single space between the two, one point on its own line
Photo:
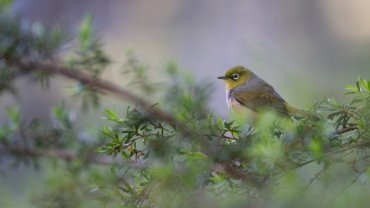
x=222 y=77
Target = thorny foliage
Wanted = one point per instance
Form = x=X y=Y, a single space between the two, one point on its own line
x=140 y=160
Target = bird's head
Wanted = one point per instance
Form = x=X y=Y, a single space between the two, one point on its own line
x=236 y=76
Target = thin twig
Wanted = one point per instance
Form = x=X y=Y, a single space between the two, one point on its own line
x=317 y=175
x=346 y=187
x=347 y=129
x=335 y=151
x=236 y=172
x=67 y=155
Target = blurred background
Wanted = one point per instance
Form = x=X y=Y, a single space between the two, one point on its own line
x=306 y=49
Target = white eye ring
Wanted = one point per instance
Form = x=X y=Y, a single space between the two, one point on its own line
x=235 y=76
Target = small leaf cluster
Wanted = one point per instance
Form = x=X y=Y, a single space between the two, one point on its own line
x=19 y=39
x=90 y=55
x=131 y=135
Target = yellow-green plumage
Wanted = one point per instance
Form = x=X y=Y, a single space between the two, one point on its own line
x=244 y=89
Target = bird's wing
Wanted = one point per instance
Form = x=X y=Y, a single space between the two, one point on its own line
x=257 y=95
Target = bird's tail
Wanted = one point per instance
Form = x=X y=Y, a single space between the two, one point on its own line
x=295 y=112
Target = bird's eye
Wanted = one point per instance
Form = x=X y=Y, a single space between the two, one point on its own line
x=235 y=76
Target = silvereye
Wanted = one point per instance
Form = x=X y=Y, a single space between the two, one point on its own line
x=244 y=89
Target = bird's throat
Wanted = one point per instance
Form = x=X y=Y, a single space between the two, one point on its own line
x=232 y=84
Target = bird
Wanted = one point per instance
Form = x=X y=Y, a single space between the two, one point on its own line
x=244 y=89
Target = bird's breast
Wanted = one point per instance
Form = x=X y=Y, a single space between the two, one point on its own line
x=233 y=104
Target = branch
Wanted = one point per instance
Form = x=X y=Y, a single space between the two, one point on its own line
x=366 y=143
x=68 y=155
x=237 y=173
x=55 y=68
x=52 y=67
x=347 y=129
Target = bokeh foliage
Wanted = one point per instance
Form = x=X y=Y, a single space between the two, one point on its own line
x=174 y=152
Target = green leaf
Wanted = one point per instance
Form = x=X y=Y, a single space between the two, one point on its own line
x=112 y=116
x=197 y=155
x=58 y=112
x=219 y=122
x=57 y=36
x=107 y=131
x=172 y=69
x=358 y=86
x=227 y=125
x=4 y=130
x=350 y=88
x=85 y=35
x=316 y=147
x=38 y=29
x=363 y=83
x=5 y=4
x=357 y=100
x=13 y=114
